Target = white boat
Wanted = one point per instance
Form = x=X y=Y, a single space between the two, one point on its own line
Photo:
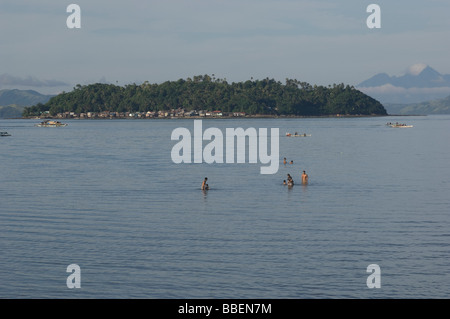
x=297 y=135
x=398 y=125
x=4 y=134
x=49 y=123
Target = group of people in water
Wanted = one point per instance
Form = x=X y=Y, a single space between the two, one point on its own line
x=289 y=182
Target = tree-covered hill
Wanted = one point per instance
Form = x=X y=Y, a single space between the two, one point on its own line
x=22 y=97
x=204 y=92
x=12 y=102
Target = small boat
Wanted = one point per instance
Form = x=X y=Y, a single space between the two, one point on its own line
x=49 y=123
x=4 y=134
x=398 y=125
x=297 y=135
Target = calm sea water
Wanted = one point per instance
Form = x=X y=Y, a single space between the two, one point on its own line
x=106 y=195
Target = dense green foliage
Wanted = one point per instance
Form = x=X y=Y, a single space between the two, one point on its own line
x=206 y=93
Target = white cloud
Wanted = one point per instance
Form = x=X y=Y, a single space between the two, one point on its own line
x=416 y=69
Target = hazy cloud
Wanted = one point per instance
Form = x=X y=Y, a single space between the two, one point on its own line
x=393 y=94
x=390 y=89
x=10 y=80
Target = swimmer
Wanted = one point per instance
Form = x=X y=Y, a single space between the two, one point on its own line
x=204 y=185
x=304 y=178
x=284 y=182
x=291 y=162
x=284 y=161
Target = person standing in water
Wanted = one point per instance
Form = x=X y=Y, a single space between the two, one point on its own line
x=204 y=185
x=304 y=178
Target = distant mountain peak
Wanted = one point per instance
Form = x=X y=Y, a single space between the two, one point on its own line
x=431 y=74
x=419 y=83
x=419 y=75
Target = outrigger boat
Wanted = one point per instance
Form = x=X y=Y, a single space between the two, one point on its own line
x=4 y=134
x=49 y=123
x=398 y=125
x=297 y=135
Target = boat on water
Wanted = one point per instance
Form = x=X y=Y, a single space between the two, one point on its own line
x=297 y=135
x=50 y=123
x=4 y=134
x=398 y=125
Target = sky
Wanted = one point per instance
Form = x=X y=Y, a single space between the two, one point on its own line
x=123 y=42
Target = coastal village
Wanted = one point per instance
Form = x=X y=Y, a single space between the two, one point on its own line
x=173 y=113
x=167 y=114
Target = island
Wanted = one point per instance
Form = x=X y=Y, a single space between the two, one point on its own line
x=206 y=96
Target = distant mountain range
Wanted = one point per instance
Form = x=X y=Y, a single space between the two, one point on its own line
x=420 y=83
x=13 y=101
x=440 y=106
x=418 y=76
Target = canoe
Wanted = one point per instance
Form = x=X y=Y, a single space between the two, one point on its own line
x=297 y=135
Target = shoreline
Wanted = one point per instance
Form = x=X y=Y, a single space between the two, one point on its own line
x=259 y=116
